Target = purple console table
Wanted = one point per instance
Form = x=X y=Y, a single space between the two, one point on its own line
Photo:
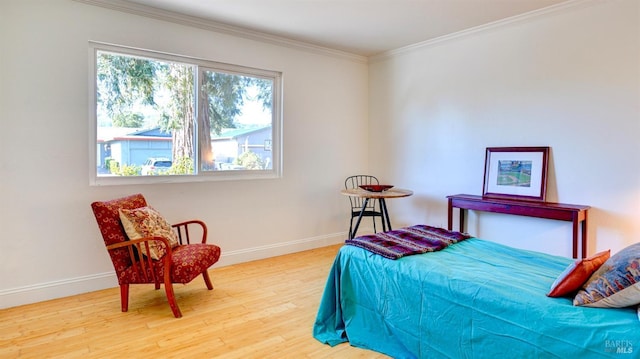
x=577 y=214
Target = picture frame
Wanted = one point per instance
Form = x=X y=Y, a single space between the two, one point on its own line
x=516 y=173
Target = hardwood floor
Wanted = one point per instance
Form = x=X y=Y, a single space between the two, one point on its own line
x=261 y=309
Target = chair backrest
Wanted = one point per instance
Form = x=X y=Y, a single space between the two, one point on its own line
x=354 y=182
x=108 y=219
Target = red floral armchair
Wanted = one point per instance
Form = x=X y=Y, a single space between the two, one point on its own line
x=180 y=262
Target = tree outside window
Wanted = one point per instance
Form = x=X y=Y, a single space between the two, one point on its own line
x=201 y=117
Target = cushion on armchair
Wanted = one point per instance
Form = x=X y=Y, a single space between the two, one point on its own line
x=147 y=222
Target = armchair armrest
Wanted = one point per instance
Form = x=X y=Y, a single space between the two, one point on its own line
x=137 y=244
x=183 y=230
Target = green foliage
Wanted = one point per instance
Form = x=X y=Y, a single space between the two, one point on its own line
x=225 y=97
x=250 y=161
x=124 y=170
x=178 y=79
x=124 y=81
x=182 y=166
x=107 y=162
x=265 y=92
x=130 y=170
x=134 y=120
x=113 y=166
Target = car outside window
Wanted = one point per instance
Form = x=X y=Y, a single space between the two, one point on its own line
x=156 y=166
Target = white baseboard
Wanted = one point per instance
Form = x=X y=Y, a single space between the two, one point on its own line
x=278 y=249
x=63 y=288
x=56 y=289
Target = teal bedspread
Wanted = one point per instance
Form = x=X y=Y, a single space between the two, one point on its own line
x=474 y=299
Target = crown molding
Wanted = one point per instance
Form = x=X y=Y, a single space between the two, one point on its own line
x=197 y=22
x=570 y=4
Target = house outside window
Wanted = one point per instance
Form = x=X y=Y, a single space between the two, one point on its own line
x=198 y=120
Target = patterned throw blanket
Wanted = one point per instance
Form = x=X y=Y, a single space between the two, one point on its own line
x=407 y=241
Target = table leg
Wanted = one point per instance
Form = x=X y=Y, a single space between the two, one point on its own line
x=384 y=223
x=462 y=210
x=355 y=229
x=450 y=215
x=574 y=228
x=584 y=236
x=385 y=215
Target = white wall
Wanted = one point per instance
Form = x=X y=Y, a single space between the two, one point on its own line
x=568 y=79
x=50 y=243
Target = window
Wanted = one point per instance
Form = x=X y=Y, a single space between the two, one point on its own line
x=166 y=118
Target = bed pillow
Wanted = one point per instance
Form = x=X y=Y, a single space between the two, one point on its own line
x=574 y=276
x=147 y=222
x=615 y=284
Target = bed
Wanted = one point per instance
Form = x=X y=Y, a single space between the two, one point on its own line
x=472 y=299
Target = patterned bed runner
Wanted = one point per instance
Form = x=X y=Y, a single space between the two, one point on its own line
x=407 y=241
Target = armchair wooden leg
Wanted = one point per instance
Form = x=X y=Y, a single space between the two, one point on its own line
x=171 y=297
x=124 y=297
x=207 y=280
x=172 y=300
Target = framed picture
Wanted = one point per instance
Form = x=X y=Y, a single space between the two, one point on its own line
x=516 y=173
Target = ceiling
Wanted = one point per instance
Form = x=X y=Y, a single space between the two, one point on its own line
x=361 y=27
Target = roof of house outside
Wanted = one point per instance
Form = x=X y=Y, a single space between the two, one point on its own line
x=231 y=133
x=106 y=134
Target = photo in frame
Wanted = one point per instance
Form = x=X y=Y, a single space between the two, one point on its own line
x=517 y=173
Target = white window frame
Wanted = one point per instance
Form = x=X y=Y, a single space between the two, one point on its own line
x=198 y=176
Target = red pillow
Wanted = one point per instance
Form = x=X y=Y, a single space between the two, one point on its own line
x=576 y=274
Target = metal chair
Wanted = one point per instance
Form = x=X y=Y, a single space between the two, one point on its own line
x=363 y=206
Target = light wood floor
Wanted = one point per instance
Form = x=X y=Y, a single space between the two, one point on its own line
x=261 y=309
